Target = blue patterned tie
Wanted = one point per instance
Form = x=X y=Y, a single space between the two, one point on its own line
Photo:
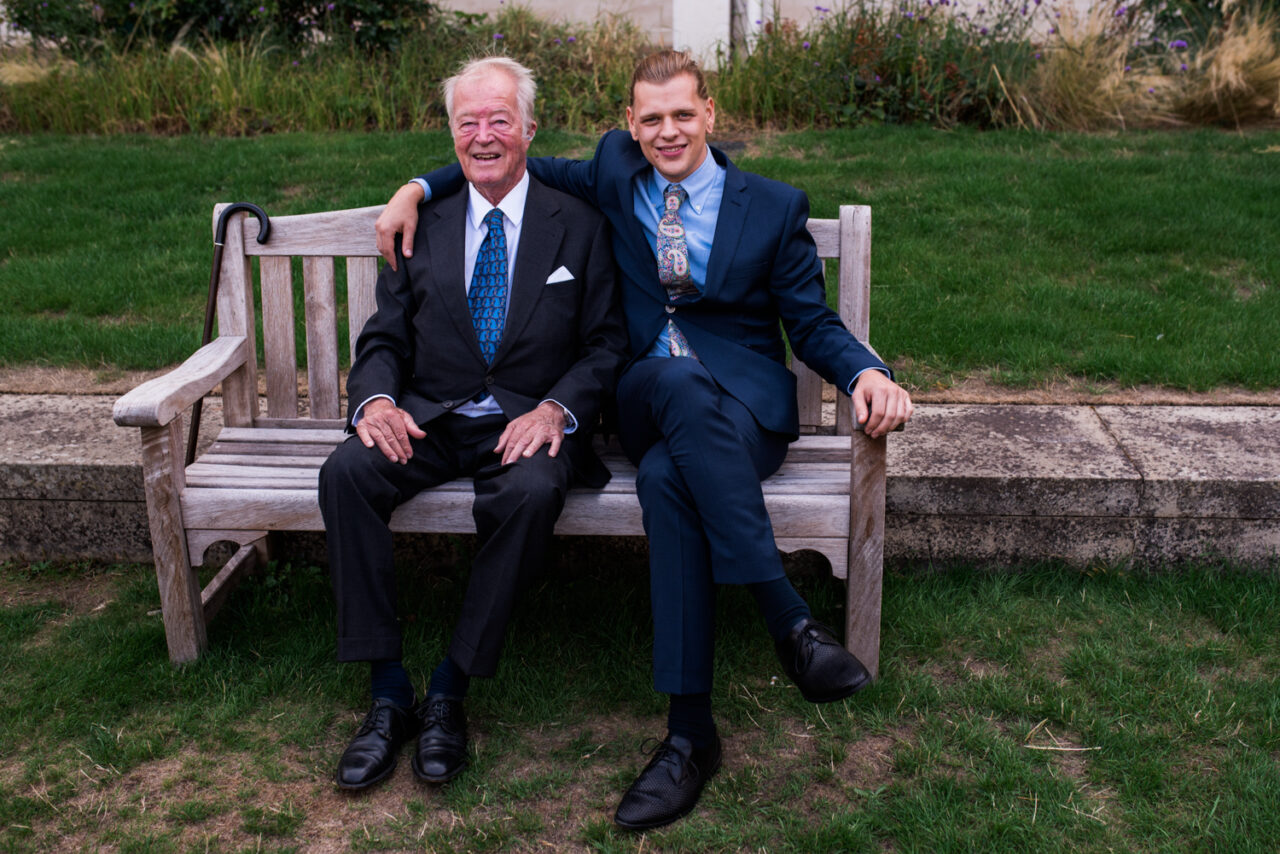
x=488 y=294
x=673 y=263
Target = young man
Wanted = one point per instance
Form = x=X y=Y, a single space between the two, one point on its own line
x=489 y=355
x=711 y=259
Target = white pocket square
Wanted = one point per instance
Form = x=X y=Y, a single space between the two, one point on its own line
x=561 y=274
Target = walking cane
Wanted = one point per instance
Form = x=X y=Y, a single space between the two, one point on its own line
x=211 y=307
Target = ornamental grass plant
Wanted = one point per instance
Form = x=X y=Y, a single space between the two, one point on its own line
x=1235 y=78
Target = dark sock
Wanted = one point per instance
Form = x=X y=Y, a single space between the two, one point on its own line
x=448 y=680
x=690 y=716
x=780 y=605
x=390 y=681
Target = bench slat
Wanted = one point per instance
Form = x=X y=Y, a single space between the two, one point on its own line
x=278 y=343
x=586 y=513
x=322 y=336
x=362 y=276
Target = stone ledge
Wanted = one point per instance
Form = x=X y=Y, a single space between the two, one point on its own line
x=967 y=482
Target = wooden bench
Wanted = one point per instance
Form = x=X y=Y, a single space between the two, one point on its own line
x=260 y=474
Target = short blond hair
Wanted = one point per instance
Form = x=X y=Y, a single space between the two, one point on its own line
x=658 y=68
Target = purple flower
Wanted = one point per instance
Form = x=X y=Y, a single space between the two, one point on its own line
x=908 y=15
x=804 y=45
x=557 y=41
x=817 y=64
x=1122 y=10
x=572 y=39
x=262 y=9
x=1184 y=67
x=1128 y=68
x=897 y=35
x=1177 y=44
x=1151 y=91
x=295 y=63
x=330 y=7
x=498 y=36
x=983 y=31
x=759 y=22
x=877 y=78
x=1037 y=54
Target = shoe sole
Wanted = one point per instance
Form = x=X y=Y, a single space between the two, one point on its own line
x=844 y=692
x=436 y=778
x=626 y=825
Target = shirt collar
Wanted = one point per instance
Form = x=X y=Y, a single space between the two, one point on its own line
x=698 y=185
x=512 y=204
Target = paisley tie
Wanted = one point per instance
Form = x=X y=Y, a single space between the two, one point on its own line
x=673 y=263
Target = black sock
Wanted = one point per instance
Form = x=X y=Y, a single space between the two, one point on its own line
x=388 y=680
x=448 y=680
x=780 y=605
x=690 y=716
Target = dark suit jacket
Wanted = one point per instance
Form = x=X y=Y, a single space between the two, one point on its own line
x=564 y=341
x=763 y=267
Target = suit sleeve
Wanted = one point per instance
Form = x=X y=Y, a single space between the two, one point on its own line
x=575 y=177
x=585 y=386
x=384 y=350
x=817 y=334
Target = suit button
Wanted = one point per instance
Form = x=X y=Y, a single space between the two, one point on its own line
x=671 y=309
x=488 y=380
x=448 y=404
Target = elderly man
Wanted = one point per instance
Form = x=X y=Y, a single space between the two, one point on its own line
x=489 y=356
x=712 y=258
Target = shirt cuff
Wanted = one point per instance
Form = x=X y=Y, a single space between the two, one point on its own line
x=570 y=422
x=425 y=188
x=355 y=416
x=853 y=382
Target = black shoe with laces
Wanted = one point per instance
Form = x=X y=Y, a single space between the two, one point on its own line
x=442 y=746
x=669 y=786
x=821 y=667
x=372 y=754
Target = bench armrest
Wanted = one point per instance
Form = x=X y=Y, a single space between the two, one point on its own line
x=157 y=402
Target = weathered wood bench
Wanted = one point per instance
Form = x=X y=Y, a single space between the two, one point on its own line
x=260 y=474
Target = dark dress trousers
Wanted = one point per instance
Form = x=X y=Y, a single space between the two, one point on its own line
x=563 y=340
x=705 y=432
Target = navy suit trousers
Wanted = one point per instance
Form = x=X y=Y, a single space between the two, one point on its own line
x=701 y=456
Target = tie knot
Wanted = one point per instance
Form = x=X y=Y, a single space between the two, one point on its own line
x=493 y=219
x=674 y=196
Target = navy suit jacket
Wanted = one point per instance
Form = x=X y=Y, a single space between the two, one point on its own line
x=763 y=267
x=563 y=340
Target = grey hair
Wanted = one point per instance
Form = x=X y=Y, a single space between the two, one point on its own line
x=526 y=86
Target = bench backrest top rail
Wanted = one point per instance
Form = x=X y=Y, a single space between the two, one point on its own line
x=320 y=239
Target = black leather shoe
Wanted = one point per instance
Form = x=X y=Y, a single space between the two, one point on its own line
x=372 y=754
x=821 y=667
x=442 y=746
x=669 y=785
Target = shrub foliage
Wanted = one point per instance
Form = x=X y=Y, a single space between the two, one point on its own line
x=253 y=66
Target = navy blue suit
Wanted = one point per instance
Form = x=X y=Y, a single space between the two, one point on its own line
x=705 y=432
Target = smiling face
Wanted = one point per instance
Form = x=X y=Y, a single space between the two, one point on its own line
x=489 y=138
x=671 y=122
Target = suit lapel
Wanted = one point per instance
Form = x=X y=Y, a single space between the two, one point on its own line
x=540 y=236
x=446 y=239
x=729 y=224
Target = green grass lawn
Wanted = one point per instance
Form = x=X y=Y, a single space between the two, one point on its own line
x=1040 y=709
x=1134 y=258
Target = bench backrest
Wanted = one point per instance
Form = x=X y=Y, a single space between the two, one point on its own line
x=320 y=240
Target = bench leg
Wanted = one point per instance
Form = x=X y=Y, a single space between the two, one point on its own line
x=866 y=550
x=163 y=481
